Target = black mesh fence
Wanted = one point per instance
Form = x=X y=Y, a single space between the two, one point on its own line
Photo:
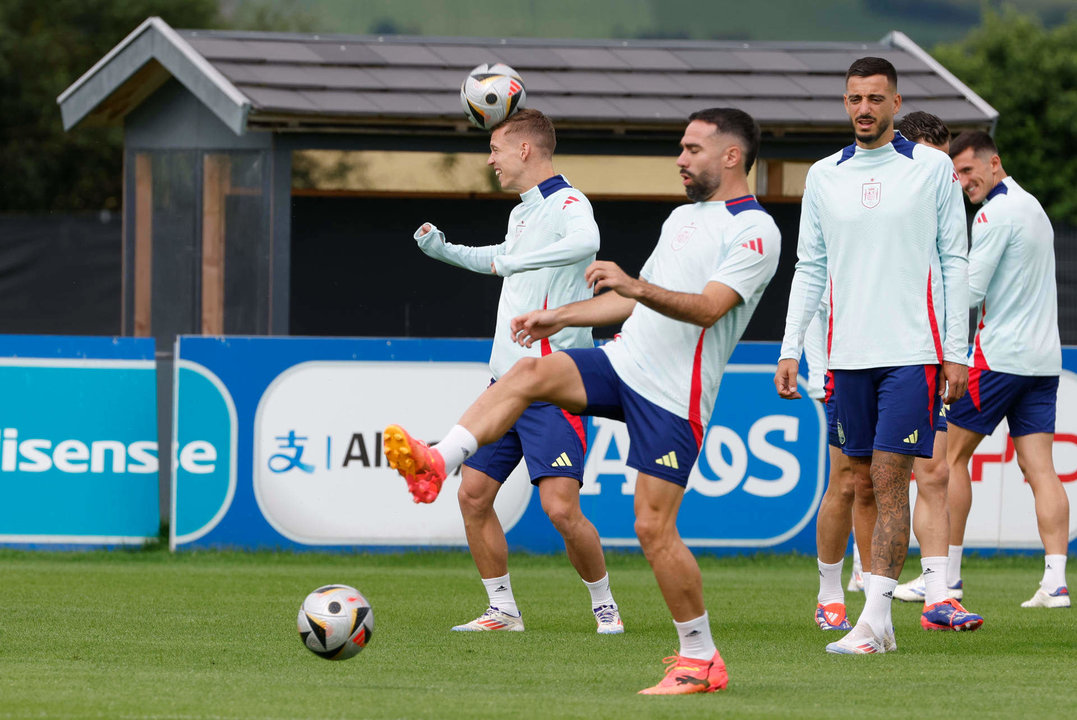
x=60 y=274
x=1066 y=272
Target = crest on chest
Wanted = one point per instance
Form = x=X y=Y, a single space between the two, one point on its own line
x=871 y=194
x=683 y=236
x=519 y=230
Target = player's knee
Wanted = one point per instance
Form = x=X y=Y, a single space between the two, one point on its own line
x=471 y=503
x=1036 y=468
x=864 y=491
x=650 y=531
x=844 y=492
x=563 y=515
x=525 y=375
x=932 y=478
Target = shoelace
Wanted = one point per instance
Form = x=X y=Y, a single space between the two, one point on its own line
x=606 y=613
x=672 y=664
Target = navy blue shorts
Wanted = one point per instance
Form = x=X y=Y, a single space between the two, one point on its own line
x=834 y=440
x=550 y=440
x=832 y=437
x=660 y=443
x=1027 y=402
x=892 y=409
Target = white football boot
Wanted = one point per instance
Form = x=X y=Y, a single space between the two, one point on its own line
x=609 y=620
x=493 y=619
x=862 y=640
x=1060 y=598
x=915 y=590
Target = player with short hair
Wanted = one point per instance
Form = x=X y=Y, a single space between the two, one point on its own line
x=931 y=517
x=682 y=318
x=883 y=221
x=837 y=511
x=925 y=128
x=552 y=238
x=844 y=506
x=1017 y=355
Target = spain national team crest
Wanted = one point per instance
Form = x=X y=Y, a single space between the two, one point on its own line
x=683 y=236
x=872 y=193
x=519 y=230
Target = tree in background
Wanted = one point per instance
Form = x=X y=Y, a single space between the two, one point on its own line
x=1029 y=75
x=44 y=47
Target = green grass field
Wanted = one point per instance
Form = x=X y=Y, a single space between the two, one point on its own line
x=147 y=634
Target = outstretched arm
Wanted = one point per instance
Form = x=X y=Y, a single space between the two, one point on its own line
x=477 y=259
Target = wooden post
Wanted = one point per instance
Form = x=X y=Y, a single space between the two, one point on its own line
x=774 y=178
x=216 y=178
x=143 y=243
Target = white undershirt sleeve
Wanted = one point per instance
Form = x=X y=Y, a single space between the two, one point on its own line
x=815 y=352
x=988 y=243
x=809 y=279
x=953 y=255
x=476 y=259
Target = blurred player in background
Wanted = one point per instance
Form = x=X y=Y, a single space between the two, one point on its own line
x=682 y=318
x=931 y=516
x=1017 y=356
x=552 y=238
x=844 y=504
x=883 y=221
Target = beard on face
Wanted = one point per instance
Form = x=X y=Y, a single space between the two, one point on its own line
x=869 y=136
x=702 y=187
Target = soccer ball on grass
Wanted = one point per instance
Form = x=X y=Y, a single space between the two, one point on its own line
x=335 y=622
x=491 y=93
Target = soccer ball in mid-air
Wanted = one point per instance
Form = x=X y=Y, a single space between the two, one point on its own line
x=490 y=93
x=335 y=622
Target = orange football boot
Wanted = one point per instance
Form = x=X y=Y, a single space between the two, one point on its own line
x=421 y=466
x=685 y=675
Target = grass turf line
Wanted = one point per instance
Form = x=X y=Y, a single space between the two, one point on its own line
x=149 y=634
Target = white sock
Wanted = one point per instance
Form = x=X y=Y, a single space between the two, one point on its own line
x=456 y=447
x=1054 y=572
x=600 y=591
x=696 y=640
x=500 y=591
x=830 y=590
x=934 y=568
x=877 y=604
x=953 y=565
x=857 y=566
x=867 y=578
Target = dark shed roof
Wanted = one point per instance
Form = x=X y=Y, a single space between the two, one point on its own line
x=290 y=81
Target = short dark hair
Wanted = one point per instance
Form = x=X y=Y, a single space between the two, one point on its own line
x=980 y=142
x=534 y=124
x=922 y=125
x=868 y=66
x=735 y=122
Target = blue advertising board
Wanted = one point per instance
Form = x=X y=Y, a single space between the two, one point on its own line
x=278 y=444
x=78 y=453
